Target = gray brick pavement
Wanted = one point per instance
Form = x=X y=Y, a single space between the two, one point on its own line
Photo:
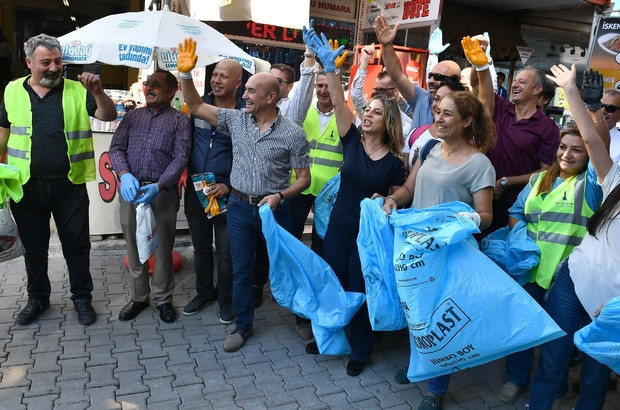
x=56 y=363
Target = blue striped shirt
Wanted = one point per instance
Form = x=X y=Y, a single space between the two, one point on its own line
x=262 y=163
x=152 y=147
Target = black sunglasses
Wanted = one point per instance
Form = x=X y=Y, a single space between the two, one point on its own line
x=280 y=81
x=441 y=77
x=383 y=90
x=152 y=83
x=610 y=108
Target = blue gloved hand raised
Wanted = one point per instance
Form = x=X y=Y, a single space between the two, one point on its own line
x=321 y=47
x=309 y=32
x=149 y=193
x=435 y=43
x=129 y=187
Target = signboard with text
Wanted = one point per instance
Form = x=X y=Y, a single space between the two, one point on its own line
x=605 y=54
x=410 y=13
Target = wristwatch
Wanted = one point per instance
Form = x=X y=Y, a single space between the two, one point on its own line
x=503 y=182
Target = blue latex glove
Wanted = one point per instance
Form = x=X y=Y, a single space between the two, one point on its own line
x=129 y=187
x=435 y=45
x=307 y=33
x=320 y=46
x=149 y=193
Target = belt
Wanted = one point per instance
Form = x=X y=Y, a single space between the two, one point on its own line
x=145 y=183
x=251 y=199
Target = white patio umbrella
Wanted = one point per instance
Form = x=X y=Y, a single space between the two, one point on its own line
x=133 y=39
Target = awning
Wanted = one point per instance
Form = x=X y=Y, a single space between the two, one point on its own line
x=458 y=21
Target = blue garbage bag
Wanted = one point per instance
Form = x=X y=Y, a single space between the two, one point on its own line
x=323 y=205
x=306 y=285
x=513 y=251
x=601 y=338
x=375 y=244
x=461 y=308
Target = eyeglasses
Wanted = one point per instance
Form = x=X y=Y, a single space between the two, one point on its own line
x=280 y=81
x=441 y=77
x=383 y=90
x=154 y=84
x=610 y=108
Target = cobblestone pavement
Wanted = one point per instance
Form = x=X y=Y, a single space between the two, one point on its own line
x=146 y=363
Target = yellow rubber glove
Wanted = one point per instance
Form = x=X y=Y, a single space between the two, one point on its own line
x=340 y=59
x=213 y=207
x=474 y=53
x=187 y=57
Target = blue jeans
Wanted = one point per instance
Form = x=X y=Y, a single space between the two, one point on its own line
x=300 y=208
x=68 y=203
x=201 y=229
x=519 y=364
x=340 y=252
x=550 y=380
x=244 y=230
x=438 y=385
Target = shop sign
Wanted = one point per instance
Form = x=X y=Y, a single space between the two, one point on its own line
x=410 y=13
x=334 y=8
x=605 y=54
x=525 y=53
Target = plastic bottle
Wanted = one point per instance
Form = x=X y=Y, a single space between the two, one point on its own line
x=177 y=104
x=184 y=108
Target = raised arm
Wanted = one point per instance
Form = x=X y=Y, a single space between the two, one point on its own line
x=356 y=92
x=596 y=147
x=186 y=63
x=385 y=35
x=321 y=47
x=106 y=111
x=479 y=60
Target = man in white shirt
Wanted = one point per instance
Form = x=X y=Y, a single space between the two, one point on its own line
x=611 y=110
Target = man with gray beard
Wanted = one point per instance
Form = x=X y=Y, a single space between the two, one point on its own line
x=45 y=130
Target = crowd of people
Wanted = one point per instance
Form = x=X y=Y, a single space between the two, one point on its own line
x=414 y=147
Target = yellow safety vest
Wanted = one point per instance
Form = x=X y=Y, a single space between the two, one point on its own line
x=325 y=151
x=77 y=130
x=556 y=222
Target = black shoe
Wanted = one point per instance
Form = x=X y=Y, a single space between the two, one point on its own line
x=199 y=303
x=312 y=348
x=226 y=313
x=31 y=312
x=354 y=368
x=167 y=312
x=257 y=294
x=85 y=311
x=131 y=310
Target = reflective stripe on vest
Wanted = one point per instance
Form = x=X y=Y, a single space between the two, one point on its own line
x=80 y=149
x=325 y=151
x=557 y=230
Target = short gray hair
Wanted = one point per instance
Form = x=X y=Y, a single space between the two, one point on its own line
x=611 y=92
x=44 y=40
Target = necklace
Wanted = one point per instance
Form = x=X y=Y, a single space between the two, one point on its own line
x=370 y=153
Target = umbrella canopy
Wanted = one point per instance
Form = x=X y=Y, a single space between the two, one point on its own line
x=134 y=39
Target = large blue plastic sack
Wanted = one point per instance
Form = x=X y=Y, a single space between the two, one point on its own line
x=323 y=205
x=461 y=308
x=375 y=243
x=306 y=285
x=513 y=251
x=601 y=338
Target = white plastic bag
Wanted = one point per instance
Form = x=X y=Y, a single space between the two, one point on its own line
x=146 y=232
x=11 y=246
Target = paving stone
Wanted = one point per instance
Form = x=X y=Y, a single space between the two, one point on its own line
x=14 y=376
x=386 y=397
x=103 y=398
x=307 y=398
x=366 y=404
x=162 y=392
x=73 y=369
x=40 y=402
x=130 y=383
x=179 y=355
x=101 y=376
x=18 y=356
x=12 y=398
x=42 y=384
x=100 y=355
x=71 y=395
x=126 y=362
x=192 y=396
x=74 y=350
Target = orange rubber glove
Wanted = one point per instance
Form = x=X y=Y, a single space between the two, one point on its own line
x=187 y=57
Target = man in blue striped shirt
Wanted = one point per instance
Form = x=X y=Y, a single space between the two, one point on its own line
x=266 y=146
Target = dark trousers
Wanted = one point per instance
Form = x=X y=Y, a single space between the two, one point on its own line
x=68 y=203
x=340 y=252
x=300 y=208
x=201 y=229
